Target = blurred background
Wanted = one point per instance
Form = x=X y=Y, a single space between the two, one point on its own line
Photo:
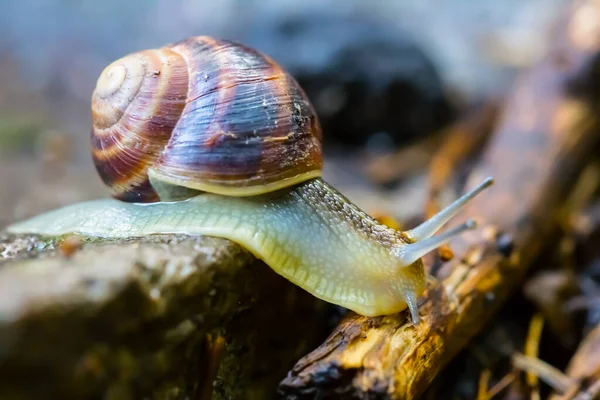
x=382 y=74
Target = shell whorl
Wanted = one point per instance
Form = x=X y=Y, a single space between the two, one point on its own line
x=206 y=114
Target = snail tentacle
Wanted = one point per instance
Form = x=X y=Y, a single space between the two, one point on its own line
x=410 y=253
x=428 y=228
x=413 y=307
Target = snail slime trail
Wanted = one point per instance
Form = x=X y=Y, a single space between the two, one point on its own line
x=210 y=137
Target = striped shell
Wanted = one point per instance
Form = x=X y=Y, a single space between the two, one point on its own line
x=205 y=114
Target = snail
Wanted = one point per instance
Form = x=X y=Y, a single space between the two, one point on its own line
x=210 y=137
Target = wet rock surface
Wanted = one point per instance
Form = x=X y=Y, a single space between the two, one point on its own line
x=160 y=317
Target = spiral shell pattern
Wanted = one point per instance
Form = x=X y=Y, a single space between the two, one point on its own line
x=206 y=114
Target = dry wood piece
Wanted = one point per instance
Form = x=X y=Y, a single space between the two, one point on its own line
x=544 y=139
x=160 y=317
x=540 y=369
x=584 y=370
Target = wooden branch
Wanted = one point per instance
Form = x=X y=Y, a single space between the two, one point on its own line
x=546 y=136
x=162 y=317
x=457 y=143
x=462 y=142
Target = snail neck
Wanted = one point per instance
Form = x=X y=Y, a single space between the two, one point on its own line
x=327 y=202
x=330 y=205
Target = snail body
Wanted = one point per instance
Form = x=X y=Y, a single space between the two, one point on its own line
x=286 y=230
x=196 y=151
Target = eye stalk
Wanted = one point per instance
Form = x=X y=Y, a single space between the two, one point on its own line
x=428 y=228
x=422 y=235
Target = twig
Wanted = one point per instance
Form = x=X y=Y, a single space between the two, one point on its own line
x=502 y=384
x=532 y=346
x=552 y=376
x=591 y=393
x=484 y=382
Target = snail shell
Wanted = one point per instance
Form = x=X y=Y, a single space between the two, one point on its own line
x=204 y=114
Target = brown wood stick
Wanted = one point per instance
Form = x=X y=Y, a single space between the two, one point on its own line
x=442 y=149
x=546 y=136
x=543 y=370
